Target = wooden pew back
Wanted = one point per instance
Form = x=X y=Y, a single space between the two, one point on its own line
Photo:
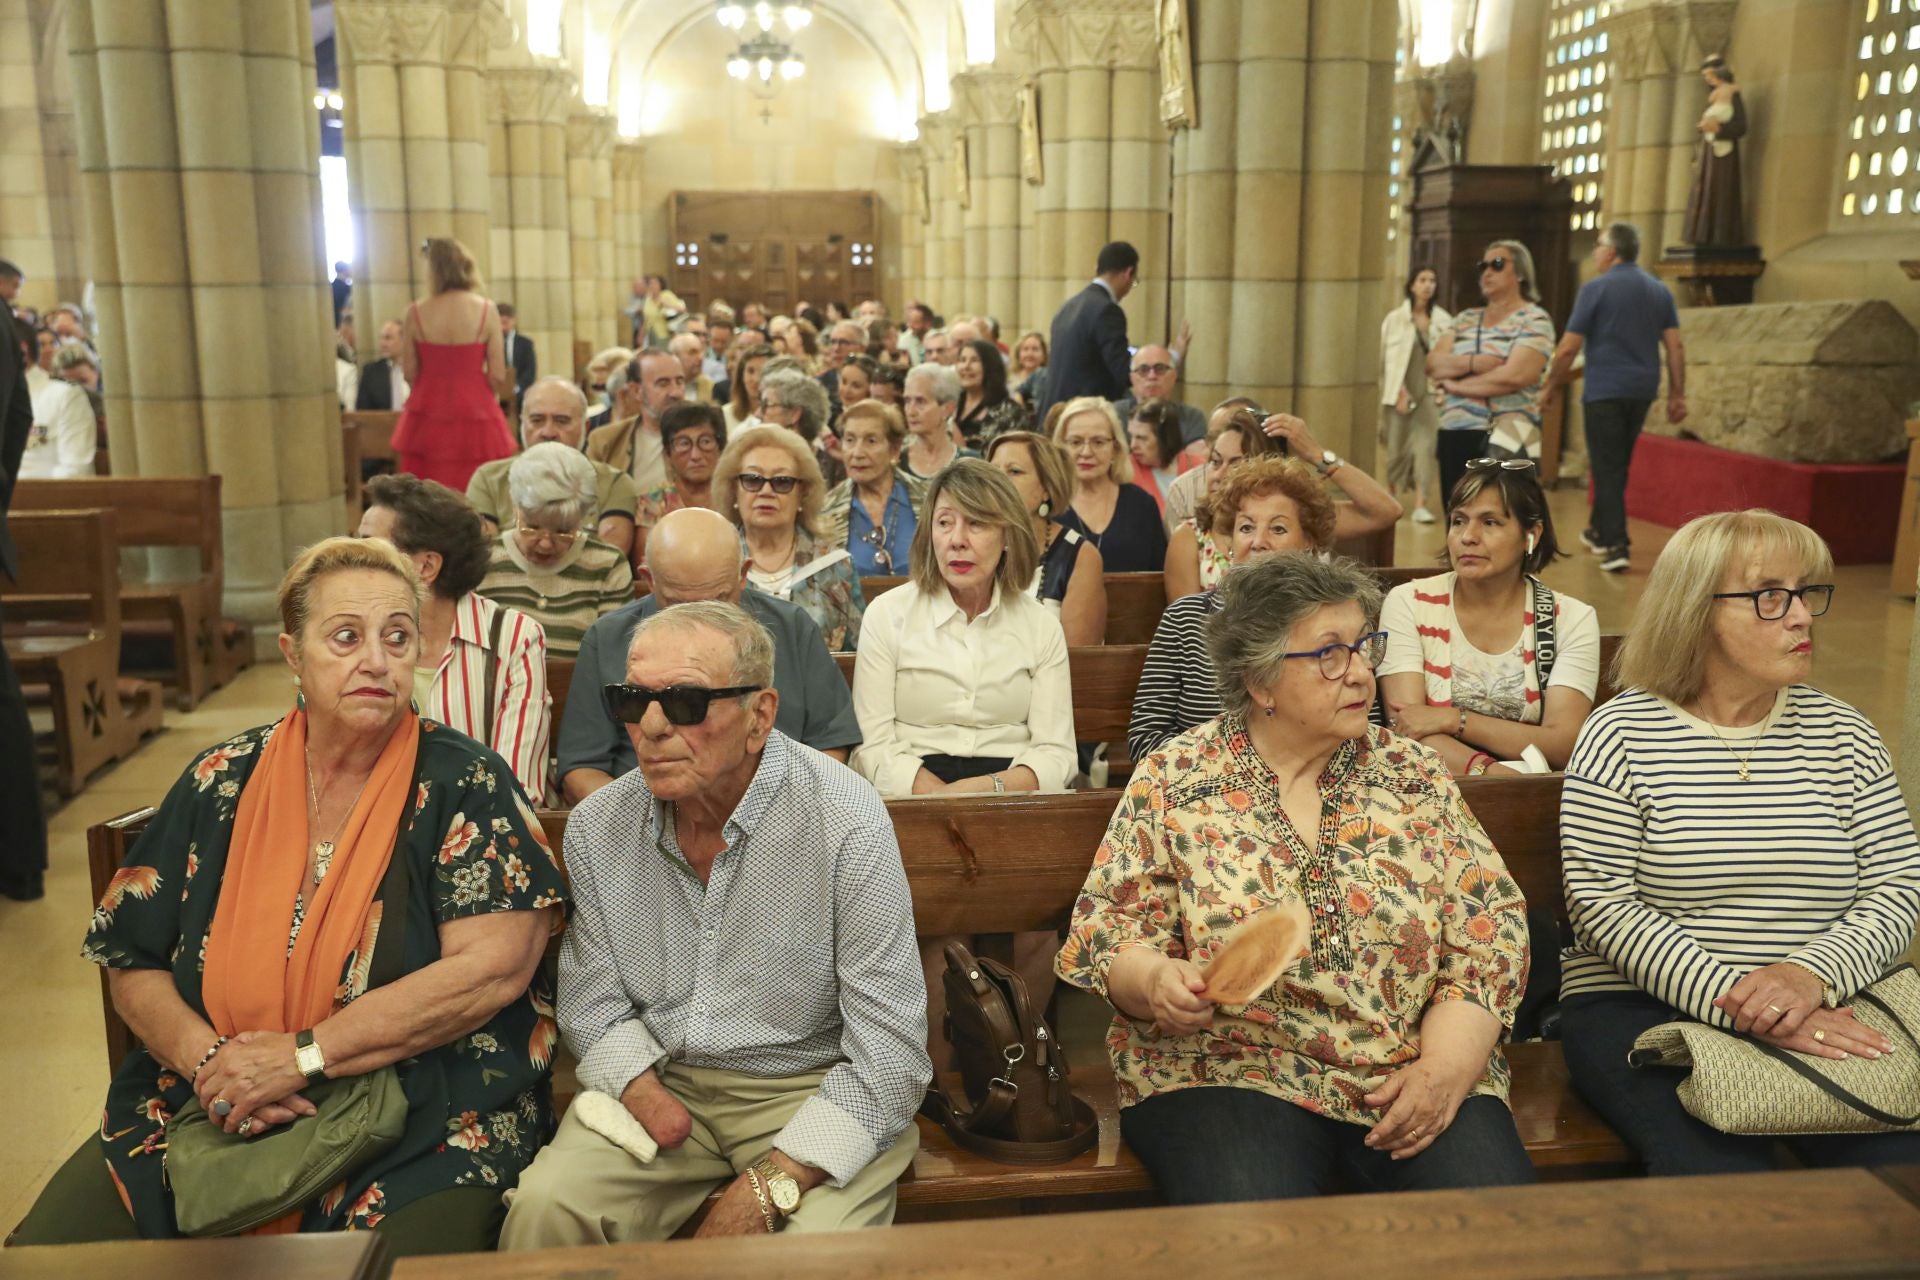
x=373 y=431
x=69 y=565
x=1134 y=603
x=149 y=511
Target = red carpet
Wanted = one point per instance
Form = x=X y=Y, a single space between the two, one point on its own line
x=1855 y=507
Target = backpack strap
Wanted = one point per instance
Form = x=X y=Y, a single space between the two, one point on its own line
x=1544 y=647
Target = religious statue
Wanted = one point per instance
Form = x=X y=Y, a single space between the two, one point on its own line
x=1713 y=206
x=960 y=189
x=1177 y=107
x=1030 y=167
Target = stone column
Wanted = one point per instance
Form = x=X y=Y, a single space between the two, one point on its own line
x=910 y=249
x=415 y=143
x=39 y=201
x=1208 y=166
x=628 y=160
x=200 y=163
x=1702 y=28
x=945 y=242
x=590 y=219
x=528 y=103
x=992 y=112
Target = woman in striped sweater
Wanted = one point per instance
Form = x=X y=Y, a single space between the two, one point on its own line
x=1736 y=848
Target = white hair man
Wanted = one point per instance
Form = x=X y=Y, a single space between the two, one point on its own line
x=555 y=409
x=768 y=1003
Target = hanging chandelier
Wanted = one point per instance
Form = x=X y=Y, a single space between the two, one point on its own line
x=795 y=15
x=763 y=58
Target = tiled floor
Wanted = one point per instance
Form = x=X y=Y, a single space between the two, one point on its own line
x=54 y=1048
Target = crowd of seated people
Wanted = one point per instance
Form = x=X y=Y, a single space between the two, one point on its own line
x=740 y=974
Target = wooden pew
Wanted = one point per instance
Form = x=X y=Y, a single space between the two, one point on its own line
x=1012 y=864
x=1374 y=548
x=373 y=430
x=164 y=511
x=63 y=631
x=1134 y=603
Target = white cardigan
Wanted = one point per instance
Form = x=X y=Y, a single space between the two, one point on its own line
x=1396 y=344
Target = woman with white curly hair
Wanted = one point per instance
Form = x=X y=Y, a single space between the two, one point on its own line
x=545 y=563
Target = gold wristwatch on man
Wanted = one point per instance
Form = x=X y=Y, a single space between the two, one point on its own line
x=783 y=1189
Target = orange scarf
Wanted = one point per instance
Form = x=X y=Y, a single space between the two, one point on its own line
x=251 y=983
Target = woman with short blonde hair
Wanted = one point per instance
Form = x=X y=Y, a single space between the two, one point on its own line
x=1118 y=517
x=875 y=511
x=1736 y=848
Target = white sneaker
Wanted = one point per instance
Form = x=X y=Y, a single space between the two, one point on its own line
x=1422 y=516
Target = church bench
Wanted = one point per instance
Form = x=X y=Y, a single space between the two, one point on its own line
x=1134 y=603
x=999 y=865
x=181 y=612
x=366 y=444
x=63 y=632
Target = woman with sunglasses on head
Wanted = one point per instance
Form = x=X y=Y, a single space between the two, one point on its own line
x=873 y=512
x=1485 y=663
x=544 y=564
x=1737 y=851
x=1490 y=366
x=1371 y=1054
x=1071 y=577
x=770 y=487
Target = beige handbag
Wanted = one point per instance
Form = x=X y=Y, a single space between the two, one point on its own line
x=1743 y=1085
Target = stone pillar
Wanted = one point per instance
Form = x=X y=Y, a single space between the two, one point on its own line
x=590 y=219
x=528 y=103
x=946 y=242
x=415 y=126
x=39 y=200
x=1209 y=163
x=992 y=113
x=910 y=249
x=199 y=159
x=627 y=165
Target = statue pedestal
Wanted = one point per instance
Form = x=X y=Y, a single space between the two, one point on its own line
x=1713 y=275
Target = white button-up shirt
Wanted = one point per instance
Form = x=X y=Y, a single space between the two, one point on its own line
x=929 y=682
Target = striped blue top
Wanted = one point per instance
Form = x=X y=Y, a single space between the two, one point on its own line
x=1681 y=879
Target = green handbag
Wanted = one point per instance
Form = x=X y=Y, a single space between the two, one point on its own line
x=224 y=1184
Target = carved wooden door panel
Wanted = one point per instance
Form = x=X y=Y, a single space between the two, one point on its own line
x=782 y=249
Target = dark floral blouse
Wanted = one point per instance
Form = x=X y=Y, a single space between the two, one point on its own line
x=479 y=1107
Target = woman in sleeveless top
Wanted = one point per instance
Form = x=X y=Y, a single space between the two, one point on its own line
x=452 y=423
x=1070 y=580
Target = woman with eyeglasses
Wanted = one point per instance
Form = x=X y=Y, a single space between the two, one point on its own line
x=985 y=407
x=1490 y=367
x=1485 y=663
x=1737 y=850
x=1401 y=945
x=1071 y=577
x=543 y=564
x=1108 y=509
x=691 y=438
x=873 y=513
x=770 y=487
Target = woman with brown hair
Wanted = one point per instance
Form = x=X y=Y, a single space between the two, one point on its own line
x=454 y=359
x=743 y=383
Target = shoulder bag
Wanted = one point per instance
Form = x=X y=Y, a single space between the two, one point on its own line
x=1740 y=1084
x=1020 y=1107
x=226 y=1185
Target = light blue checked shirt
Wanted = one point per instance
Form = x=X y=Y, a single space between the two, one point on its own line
x=797 y=954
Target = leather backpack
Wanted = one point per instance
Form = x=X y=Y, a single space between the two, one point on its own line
x=1020 y=1107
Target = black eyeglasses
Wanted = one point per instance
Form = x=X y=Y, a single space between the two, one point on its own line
x=1771 y=603
x=753 y=482
x=1335 y=659
x=1505 y=464
x=682 y=704
x=1153 y=370
x=1495 y=263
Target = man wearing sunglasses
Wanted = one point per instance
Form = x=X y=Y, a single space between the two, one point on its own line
x=742 y=964
x=692 y=555
x=1155 y=375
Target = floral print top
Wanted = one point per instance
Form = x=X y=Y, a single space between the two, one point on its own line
x=480 y=1107
x=1411 y=907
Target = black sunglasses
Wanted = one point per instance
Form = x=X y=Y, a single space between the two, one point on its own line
x=753 y=482
x=682 y=704
x=1495 y=263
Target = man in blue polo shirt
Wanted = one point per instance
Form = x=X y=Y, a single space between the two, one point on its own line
x=1623 y=317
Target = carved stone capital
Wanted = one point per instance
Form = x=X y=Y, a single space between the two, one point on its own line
x=987 y=97
x=536 y=94
x=1068 y=34
x=629 y=159
x=590 y=133
x=1708 y=29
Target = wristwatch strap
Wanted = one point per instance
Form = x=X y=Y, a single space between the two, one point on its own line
x=304 y=1040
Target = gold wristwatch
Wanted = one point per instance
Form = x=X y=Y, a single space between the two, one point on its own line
x=781 y=1187
x=307 y=1058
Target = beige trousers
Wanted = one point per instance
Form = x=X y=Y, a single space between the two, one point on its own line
x=582 y=1189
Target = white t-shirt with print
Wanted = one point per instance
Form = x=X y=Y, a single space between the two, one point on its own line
x=1495 y=684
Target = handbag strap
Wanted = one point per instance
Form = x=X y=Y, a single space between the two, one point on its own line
x=960 y=1125
x=1834 y=1090
x=1544 y=647
x=396 y=891
x=493 y=666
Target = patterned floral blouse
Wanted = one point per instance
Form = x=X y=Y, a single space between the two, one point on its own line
x=1411 y=907
x=477 y=847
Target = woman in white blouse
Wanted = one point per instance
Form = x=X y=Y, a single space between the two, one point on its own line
x=60 y=444
x=961 y=684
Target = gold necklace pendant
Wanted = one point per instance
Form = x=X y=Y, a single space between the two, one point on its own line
x=322 y=860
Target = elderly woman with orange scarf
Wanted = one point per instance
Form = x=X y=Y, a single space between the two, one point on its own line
x=350 y=894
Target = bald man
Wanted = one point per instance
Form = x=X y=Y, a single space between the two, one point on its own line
x=694 y=554
x=1155 y=374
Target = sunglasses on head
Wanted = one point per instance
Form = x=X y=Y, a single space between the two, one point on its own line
x=682 y=704
x=1505 y=464
x=753 y=482
x=1495 y=263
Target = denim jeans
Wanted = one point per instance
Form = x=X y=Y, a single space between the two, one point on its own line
x=1458 y=447
x=1641 y=1104
x=1612 y=427
x=1211 y=1144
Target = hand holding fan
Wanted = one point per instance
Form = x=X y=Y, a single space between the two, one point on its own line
x=1259 y=951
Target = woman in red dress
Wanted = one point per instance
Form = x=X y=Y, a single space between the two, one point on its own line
x=456 y=364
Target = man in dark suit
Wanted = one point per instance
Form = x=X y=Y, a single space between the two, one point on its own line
x=342 y=289
x=1089 y=350
x=520 y=357
x=382 y=385
x=23 y=828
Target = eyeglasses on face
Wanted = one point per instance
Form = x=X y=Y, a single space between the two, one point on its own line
x=1088 y=444
x=705 y=442
x=1496 y=263
x=682 y=704
x=1153 y=370
x=753 y=482
x=1770 y=604
x=1504 y=464
x=1334 y=659
x=560 y=540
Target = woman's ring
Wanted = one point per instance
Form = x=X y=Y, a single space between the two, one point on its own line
x=1777 y=1009
x=1413 y=1133
x=246 y=1127
x=221 y=1107
x=1821 y=1036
